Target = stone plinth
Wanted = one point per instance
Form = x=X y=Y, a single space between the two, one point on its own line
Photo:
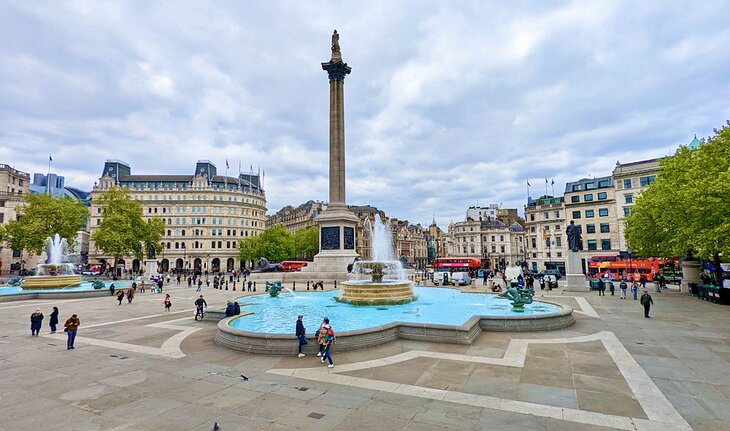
x=150 y=267
x=575 y=280
x=690 y=274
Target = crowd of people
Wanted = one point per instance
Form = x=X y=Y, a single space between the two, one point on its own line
x=70 y=326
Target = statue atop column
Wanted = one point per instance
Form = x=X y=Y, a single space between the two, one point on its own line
x=575 y=242
x=336 y=54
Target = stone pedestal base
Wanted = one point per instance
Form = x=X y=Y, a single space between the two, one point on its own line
x=575 y=281
x=150 y=268
x=690 y=274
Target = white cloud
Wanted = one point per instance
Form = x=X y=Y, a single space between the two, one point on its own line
x=447 y=105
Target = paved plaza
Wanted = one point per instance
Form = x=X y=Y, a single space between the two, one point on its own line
x=137 y=368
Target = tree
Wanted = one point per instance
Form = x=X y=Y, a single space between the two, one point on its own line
x=122 y=231
x=306 y=242
x=685 y=211
x=43 y=216
x=275 y=244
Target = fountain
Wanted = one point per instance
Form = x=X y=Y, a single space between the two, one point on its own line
x=55 y=273
x=382 y=280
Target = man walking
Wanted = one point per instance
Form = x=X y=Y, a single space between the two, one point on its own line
x=623 y=286
x=635 y=289
x=647 y=302
x=71 y=325
x=601 y=287
x=300 y=335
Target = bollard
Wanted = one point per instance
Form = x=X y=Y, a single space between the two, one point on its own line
x=307 y=285
x=293 y=285
x=335 y=284
x=234 y=286
x=226 y=287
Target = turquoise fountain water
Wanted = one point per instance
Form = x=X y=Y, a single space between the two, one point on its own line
x=434 y=306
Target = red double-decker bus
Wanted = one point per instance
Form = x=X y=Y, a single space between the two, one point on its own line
x=457 y=263
x=616 y=268
x=293 y=265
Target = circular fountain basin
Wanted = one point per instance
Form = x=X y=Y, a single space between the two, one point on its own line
x=83 y=290
x=437 y=314
x=370 y=293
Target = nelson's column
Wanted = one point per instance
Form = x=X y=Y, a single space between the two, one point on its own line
x=336 y=223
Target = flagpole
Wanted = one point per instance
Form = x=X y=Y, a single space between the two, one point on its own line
x=553 y=184
x=546 y=184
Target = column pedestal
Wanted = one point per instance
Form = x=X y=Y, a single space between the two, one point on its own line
x=150 y=268
x=336 y=241
x=575 y=280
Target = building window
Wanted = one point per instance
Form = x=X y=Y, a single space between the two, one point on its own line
x=590 y=186
x=590 y=228
x=602 y=196
x=546 y=215
x=575 y=199
x=558 y=242
x=603 y=212
x=576 y=214
x=501 y=249
x=605 y=228
x=532 y=217
x=629 y=199
x=560 y=254
x=605 y=244
x=212 y=244
x=588 y=197
x=589 y=214
x=493 y=238
x=592 y=245
x=627 y=212
x=547 y=228
x=557 y=214
x=627 y=183
x=534 y=243
x=645 y=181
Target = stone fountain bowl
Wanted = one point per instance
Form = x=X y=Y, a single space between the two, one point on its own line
x=370 y=293
x=52 y=276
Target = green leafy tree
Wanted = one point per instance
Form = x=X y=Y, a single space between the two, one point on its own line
x=275 y=244
x=306 y=242
x=43 y=216
x=123 y=231
x=685 y=211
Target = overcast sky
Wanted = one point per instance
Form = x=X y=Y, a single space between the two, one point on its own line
x=449 y=104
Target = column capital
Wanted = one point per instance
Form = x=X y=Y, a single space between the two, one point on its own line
x=336 y=70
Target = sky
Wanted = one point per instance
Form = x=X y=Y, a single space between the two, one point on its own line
x=449 y=104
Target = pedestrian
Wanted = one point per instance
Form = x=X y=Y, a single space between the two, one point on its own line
x=120 y=296
x=301 y=335
x=168 y=278
x=71 y=326
x=642 y=280
x=601 y=287
x=130 y=294
x=200 y=285
x=329 y=340
x=167 y=302
x=484 y=280
x=141 y=286
x=53 y=320
x=611 y=287
x=236 y=308
x=623 y=286
x=190 y=282
x=36 y=321
x=160 y=282
x=178 y=279
x=229 y=308
x=249 y=285
x=647 y=302
x=542 y=283
x=111 y=289
x=320 y=333
x=635 y=289
x=530 y=282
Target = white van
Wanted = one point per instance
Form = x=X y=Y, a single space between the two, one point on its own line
x=512 y=272
x=460 y=278
x=441 y=278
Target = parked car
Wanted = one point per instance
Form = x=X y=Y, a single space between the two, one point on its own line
x=552 y=272
x=460 y=278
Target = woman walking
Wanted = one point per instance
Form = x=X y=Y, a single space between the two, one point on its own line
x=120 y=296
x=168 y=303
x=130 y=294
x=329 y=340
x=71 y=325
x=36 y=320
x=54 y=320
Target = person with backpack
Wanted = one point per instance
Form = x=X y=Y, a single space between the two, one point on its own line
x=300 y=333
x=329 y=340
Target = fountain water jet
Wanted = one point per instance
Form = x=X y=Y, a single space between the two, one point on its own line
x=382 y=280
x=55 y=272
